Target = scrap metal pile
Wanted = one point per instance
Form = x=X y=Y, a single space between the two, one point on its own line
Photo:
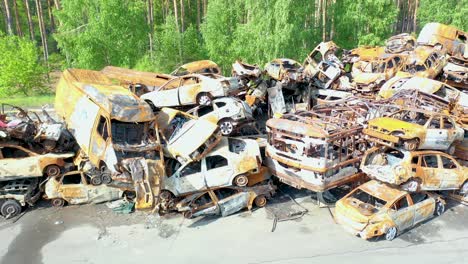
x=388 y=122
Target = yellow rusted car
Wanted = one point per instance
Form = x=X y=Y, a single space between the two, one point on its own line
x=284 y=70
x=201 y=67
x=449 y=37
x=376 y=209
x=415 y=170
x=362 y=53
x=416 y=129
x=424 y=61
x=186 y=138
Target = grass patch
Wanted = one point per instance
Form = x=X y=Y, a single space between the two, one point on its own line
x=30 y=101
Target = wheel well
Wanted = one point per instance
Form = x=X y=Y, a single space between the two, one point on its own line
x=225 y=119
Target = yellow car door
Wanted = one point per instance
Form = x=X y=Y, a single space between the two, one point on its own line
x=72 y=189
x=424 y=206
x=402 y=213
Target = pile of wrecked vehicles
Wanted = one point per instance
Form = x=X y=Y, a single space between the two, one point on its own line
x=387 y=126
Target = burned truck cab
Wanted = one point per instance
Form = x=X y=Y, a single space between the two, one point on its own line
x=116 y=131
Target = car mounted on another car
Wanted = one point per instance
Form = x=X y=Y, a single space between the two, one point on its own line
x=200 y=67
x=225 y=201
x=376 y=209
x=416 y=129
x=400 y=43
x=191 y=89
x=415 y=170
x=229 y=113
x=424 y=61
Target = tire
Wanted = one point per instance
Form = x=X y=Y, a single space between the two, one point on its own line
x=57 y=202
x=241 y=180
x=226 y=126
x=106 y=178
x=412 y=186
x=52 y=171
x=96 y=180
x=203 y=99
x=188 y=214
x=165 y=195
x=260 y=201
x=391 y=233
x=439 y=209
x=10 y=208
x=464 y=188
x=411 y=144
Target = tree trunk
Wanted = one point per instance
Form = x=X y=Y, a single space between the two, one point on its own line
x=205 y=7
x=57 y=4
x=415 y=15
x=176 y=15
x=30 y=22
x=332 y=27
x=40 y=18
x=19 y=32
x=151 y=25
x=198 y=15
x=318 y=13
x=182 y=14
x=8 y=18
x=324 y=20
x=51 y=16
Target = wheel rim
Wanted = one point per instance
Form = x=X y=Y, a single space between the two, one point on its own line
x=106 y=179
x=204 y=100
x=165 y=195
x=11 y=210
x=464 y=189
x=96 y=181
x=53 y=171
x=241 y=180
x=412 y=186
x=226 y=127
x=411 y=145
x=391 y=233
x=57 y=202
x=260 y=201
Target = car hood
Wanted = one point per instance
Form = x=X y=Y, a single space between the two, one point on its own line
x=368 y=77
x=191 y=137
x=354 y=211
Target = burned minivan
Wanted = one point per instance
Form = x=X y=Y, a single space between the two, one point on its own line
x=313 y=150
x=116 y=131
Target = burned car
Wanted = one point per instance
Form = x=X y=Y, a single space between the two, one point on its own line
x=74 y=188
x=416 y=129
x=449 y=37
x=362 y=53
x=191 y=89
x=456 y=75
x=231 y=162
x=415 y=170
x=185 y=137
x=286 y=70
x=424 y=61
x=225 y=201
x=228 y=112
x=21 y=171
x=322 y=65
x=376 y=209
x=400 y=43
x=200 y=67
x=115 y=130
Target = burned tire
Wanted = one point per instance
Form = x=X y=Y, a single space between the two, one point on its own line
x=391 y=233
x=10 y=208
x=464 y=188
x=165 y=195
x=439 y=209
x=204 y=99
x=226 y=126
x=57 y=202
x=52 y=171
x=188 y=214
x=260 y=201
x=241 y=180
x=106 y=178
x=411 y=144
x=97 y=180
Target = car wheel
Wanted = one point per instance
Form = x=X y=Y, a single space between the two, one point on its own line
x=439 y=209
x=165 y=195
x=411 y=144
x=204 y=99
x=188 y=214
x=96 y=180
x=241 y=180
x=106 y=178
x=10 y=208
x=226 y=126
x=391 y=233
x=57 y=202
x=260 y=201
x=412 y=186
x=464 y=188
x=52 y=171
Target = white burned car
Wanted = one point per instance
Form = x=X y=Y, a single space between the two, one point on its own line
x=227 y=112
x=229 y=163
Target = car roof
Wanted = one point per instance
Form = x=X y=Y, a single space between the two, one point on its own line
x=198 y=65
x=382 y=191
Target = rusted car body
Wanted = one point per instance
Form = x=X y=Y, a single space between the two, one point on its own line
x=314 y=151
x=416 y=129
x=322 y=65
x=115 y=130
x=286 y=70
x=456 y=75
x=231 y=162
x=449 y=37
x=186 y=138
x=375 y=209
x=362 y=53
x=225 y=201
x=370 y=75
x=424 y=61
x=74 y=188
x=416 y=170
x=242 y=69
x=400 y=43
x=201 y=67
x=191 y=89
x=229 y=113
x=461 y=150
x=327 y=96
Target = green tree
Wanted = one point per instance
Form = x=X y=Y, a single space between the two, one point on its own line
x=20 y=70
x=450 y=12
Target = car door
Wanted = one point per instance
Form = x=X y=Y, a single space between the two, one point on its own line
x=436 y=136
x=100 y=193
x=189 y=89
x=208 y=112
x=231 y=200
x=205 y=204
x=189 y=179
x=429 y=172
x=72 y=189
x=219 y=171
x=423 y=205
x=402 y=213
x=450 y=174
x=15 y=162
x=167 y=95
x=450 y=127
x=98 y=141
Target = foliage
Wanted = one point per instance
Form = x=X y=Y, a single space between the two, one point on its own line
x=20 y=71
x=454 y=12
